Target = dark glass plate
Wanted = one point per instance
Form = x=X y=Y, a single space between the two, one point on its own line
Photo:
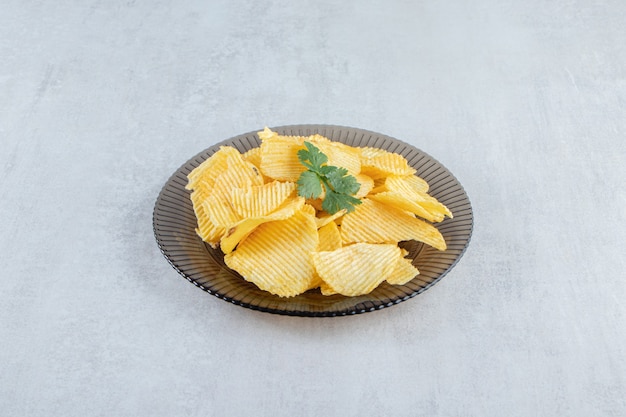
x=174 y=225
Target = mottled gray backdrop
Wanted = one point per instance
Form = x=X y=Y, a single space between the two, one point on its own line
x=524 y=101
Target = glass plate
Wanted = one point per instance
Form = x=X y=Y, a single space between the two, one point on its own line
x=174 y=225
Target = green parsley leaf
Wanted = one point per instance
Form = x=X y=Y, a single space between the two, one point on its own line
x=312 y=157
x=309 y=185
x=333 y=202
x=338 y=185
x=343 y=183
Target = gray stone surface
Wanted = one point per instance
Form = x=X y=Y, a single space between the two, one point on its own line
x=525 y=102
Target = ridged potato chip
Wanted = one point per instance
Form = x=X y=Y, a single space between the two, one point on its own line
x=433 y=205
x=239 y=231
x=324 y=219
x=220 y=211
x=378 y=163
x=407 y=184
x=356 y=269
x=415 y=189
x=279 y=158
x=402 y=202
x=326 y=289
x=340 y=155
x=201 y=181
x=403 y=272
x=207 y=231
x=276 y=256
x=366 y=185
x=376 y=222
x=260 y=200
x=329 y=237
x=204 y=175
x=238 y=174
x=253 y=156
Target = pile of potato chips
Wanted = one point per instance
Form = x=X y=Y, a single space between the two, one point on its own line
x=248 y=205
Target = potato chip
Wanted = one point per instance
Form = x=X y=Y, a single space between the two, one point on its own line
x=356 y=269
x=402 y=202
x=376 y=222
x=238 y=174
x=378 y=163
x=269 y=134
x=406 y=184
x=201 y=181
x=329 y=237
x=253 y=156
x=316 y=139
x=366 y=185
x=237 y=232
x=220 y=211
x=326 y=289
x=279 y=158
x=328 y=218
x=204 y=175
x=276 y=256
x=415 y=189
x=207 y=231
x=433 y=205
x=403 y=272
x=259 y=200
x=340 y=155
x=266 y=134
x=379 y=185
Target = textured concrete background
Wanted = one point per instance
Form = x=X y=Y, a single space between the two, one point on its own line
x=525 y=102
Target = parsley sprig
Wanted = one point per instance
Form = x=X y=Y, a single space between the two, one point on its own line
x=339 y=187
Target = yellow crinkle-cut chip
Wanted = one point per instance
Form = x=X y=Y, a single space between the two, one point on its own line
x=266 y=133
x=279 y=158
x=207 y=231
x=379 y=185
x=260 y=200
x=276 y=256
x=356 y=269
x=416 y=189
x=237 y=232
x=204 y=175
x=279 y=154
x=403 y=202
x=253 y=156
x=201 y=181
x=220 y=211
x=329 y=237
x=376 y=222
x=433 y=205
x=403 y=272
x=407 y=184
x=340 y=155
x=324 y=219
x=379 y=163
x=238 y=174
x=366 y=185
x=326 y=289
